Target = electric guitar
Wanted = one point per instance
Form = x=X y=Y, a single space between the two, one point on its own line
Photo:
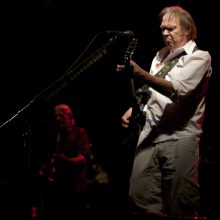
x=138 y=97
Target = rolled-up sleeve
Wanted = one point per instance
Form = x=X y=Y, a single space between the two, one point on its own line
x=189 y=71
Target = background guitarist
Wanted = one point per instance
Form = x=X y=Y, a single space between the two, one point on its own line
x=65 y=191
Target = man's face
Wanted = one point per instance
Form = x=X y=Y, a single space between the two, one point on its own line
x=173 y=35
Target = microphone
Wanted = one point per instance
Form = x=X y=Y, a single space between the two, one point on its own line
x=121 y=33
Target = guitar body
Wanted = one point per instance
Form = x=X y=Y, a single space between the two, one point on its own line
x=138 y=99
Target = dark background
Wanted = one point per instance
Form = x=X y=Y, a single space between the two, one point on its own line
x=41 y=40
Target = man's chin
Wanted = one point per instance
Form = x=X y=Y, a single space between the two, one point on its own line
x=169 y=44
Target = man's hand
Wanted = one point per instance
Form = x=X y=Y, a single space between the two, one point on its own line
x=125 y=118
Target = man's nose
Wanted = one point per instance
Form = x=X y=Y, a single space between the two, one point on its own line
x=165 y=32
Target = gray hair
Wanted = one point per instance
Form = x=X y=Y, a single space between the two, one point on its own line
x=186 y=21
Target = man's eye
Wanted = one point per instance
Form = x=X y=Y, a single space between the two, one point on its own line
x=168 y=29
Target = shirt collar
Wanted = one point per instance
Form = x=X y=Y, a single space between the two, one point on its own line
x=188 y=48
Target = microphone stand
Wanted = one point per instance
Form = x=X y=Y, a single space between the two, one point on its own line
x=59 y=84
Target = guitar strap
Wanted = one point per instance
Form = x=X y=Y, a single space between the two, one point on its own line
x=168 y=66
x=141 y=93
x=141 y=99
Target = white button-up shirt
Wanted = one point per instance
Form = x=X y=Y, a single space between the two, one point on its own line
x=184 y=115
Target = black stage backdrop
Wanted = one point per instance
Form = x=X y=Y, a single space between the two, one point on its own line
x=41 y=41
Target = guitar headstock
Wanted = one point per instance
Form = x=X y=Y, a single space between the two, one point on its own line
x=130 y=50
